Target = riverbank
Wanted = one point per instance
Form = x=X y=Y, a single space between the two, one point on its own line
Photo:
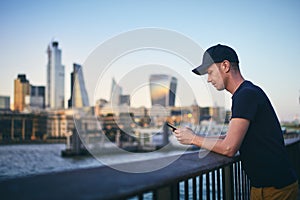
x=25 y=142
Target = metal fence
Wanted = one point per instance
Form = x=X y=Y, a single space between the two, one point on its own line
x=189 y=177
x=227 y=181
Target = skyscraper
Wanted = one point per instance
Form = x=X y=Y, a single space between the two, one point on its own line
x=116 y=92
x=4 y=103
x=125 y=99
x=21 y=89
x=36 y=99
x=163 y=89
x=79 y=97
x=55 y=92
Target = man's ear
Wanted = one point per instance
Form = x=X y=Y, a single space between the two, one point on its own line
x=226 y=66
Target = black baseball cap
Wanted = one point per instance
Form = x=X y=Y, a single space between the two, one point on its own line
x=216 y=54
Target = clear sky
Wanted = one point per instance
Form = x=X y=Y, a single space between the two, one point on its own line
x=265 y=34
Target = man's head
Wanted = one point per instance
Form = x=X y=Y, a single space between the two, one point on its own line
x=216 y=54
x=218 y=62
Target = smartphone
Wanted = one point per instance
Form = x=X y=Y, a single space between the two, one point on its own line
x=171 y=126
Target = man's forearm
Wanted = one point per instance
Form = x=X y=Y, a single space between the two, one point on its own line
x=213 y=144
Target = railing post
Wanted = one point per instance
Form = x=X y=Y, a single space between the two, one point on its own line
x=293 y=152
x=167 y=193
x=228 y=182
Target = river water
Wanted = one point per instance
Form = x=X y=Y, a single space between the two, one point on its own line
x=31 y=159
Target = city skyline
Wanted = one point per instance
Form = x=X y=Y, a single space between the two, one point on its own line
x=264 y=34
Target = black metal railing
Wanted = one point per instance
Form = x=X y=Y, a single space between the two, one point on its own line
x=189 y=177
x=227 y=181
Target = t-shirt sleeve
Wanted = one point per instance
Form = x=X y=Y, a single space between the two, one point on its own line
x=245 y=104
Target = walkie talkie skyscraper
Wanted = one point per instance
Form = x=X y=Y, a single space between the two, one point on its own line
x=163 y=90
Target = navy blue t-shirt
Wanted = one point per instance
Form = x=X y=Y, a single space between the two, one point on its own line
x=263 y=154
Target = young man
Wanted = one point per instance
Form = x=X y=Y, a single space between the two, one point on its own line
x=254 y=129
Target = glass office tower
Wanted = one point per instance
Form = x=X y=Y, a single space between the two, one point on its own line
x=163 y=90
x=55 y=92
x=79 y=96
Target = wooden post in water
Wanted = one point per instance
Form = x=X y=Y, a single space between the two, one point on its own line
x=12 y=133
x=23 y=129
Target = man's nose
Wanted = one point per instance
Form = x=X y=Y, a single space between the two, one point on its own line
x=208 y=79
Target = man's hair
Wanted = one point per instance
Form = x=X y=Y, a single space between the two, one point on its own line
x=235 y=66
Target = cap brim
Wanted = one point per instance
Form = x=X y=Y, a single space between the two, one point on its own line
x=201 y=70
